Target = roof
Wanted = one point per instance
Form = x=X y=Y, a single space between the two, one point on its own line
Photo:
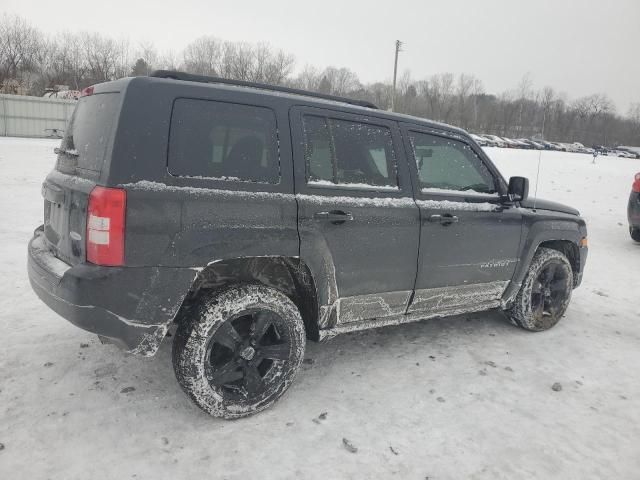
x=296 y=95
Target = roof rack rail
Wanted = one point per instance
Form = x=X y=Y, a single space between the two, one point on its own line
x=189 y=77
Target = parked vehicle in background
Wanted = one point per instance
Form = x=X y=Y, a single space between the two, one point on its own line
x=547 y=145
x=252 y=217
x=480 y=140
x=62 y=93
x=635 y=151
x=601 y=149
x=497 y=141
x=633 y=209
x=509 y=143
x=580 y=148
x=560 y=146
x=522 y=145
x=530 y=143
x=569 y=147
x=624 y=154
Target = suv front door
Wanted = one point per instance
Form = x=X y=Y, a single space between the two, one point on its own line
x=357 y=219
x=469 y=240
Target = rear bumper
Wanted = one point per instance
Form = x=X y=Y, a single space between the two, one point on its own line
x=131 y=307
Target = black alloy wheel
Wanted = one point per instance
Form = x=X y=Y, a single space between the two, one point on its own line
x=549 y=294
x=245 y=351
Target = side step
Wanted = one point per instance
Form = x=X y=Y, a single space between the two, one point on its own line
x=329 y=333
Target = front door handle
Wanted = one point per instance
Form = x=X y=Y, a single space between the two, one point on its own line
x=334 y=216
x=446 y=219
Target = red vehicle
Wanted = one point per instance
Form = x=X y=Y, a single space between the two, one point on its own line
x=633 y=210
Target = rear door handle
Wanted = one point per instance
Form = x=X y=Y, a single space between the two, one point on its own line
x=446 y=219
x=334 y=216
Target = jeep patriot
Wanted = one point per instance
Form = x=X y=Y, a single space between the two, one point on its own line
x=251 y=218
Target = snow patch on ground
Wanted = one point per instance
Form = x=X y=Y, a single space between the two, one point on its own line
x=463 y=397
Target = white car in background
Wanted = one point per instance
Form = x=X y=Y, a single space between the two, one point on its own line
x=634 y=151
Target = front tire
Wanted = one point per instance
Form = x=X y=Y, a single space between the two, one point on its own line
x=240 y=350
x=635 y=233
x=545 y=292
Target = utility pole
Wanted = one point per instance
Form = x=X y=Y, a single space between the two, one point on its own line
x=395 y=74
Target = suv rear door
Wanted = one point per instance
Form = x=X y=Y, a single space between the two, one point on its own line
x=469 y=240
x=81 y=157
x=357 y=219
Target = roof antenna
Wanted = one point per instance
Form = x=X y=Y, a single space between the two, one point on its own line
x=537 y=137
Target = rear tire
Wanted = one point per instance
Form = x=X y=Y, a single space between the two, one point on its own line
x=239 y=351
x=545 y=292
x=635 y=233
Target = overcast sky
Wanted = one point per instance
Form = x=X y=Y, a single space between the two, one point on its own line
x=576 y=46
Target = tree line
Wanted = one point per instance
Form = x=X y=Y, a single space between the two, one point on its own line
x=31 y=63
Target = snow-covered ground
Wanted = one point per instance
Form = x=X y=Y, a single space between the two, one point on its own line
x=465 y=397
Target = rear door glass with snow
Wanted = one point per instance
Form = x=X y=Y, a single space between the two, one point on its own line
x=344 y=152
x=448 y=164
x=222 y=140
x=88 y=132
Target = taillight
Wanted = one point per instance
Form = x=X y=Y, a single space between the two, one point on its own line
x=105 y=226
x=636 y=183
x=87 y=91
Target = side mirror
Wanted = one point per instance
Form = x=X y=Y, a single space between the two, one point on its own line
x=518 y=188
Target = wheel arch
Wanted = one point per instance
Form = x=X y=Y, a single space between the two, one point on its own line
x=289 y=275
x=568 y=248
x=562 y=243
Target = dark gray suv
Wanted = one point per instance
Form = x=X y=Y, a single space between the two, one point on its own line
x=255 y=217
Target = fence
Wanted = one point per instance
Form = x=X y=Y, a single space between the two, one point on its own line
x=22 y=116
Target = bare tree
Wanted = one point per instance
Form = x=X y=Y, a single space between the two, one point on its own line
x=32 y=63
x=308 y=79
x=202 y=56
x=340 y=80
x=19 y=45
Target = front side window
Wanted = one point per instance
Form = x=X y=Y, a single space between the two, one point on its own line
x=343 y=152
x=223 y=141
x=448 y=164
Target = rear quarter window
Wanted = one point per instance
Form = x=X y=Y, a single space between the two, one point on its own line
x=224 y=141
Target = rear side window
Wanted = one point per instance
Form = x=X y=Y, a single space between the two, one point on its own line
x=224 y=141
x=84 y=144
x=343 y=152
x=448 y=164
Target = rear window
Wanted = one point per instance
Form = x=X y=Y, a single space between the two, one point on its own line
x=222 y=140
x=88 y=132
